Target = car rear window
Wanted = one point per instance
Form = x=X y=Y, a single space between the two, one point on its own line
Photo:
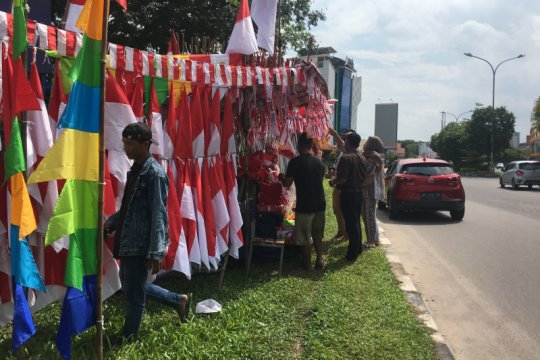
x=426 y=169
x=529 y=166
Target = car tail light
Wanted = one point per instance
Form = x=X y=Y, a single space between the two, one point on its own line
x=519 y=172
x=405 y=179
x=453 y=181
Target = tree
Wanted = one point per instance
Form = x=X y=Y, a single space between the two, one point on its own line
x=512 y=154
x=537 y=114
x=411 y=148
x=486 y=120
x=147 y=23
x=452 y=143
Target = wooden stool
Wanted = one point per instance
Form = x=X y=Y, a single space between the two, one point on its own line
x=266 y=242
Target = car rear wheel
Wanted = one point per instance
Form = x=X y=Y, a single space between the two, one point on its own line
x=514 y=185
x=457 y=215
x=501 y=182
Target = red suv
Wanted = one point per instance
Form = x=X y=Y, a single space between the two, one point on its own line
x=426 y=184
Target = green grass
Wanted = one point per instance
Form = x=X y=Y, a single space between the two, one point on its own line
x=349 y=311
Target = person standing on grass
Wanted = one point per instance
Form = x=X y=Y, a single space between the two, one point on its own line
x=336 y=193
x=307 y=172
x=350 y=175
x=141 y=231
x=373 y=189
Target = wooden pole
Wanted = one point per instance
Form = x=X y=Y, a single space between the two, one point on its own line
x=99 y=307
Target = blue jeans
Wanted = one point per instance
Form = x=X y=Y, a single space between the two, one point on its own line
x=133 y=274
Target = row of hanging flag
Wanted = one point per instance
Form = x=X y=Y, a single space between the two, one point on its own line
x=48 y=226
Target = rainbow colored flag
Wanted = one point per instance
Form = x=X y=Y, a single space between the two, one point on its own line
x=19 y=97
x=75 y=157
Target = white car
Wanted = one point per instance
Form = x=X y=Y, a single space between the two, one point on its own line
x=499 y=166
x=526 y=172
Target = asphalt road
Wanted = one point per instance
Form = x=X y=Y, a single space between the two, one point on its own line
x=480 y=278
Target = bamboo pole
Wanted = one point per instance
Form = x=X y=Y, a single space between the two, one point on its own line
x=99 y=305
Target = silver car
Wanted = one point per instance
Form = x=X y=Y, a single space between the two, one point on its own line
x=517 y=173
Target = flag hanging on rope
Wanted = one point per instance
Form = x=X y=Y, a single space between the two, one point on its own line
x=75 y=157
x=18 y=97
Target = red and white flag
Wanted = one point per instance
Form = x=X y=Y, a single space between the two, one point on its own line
x=228 y=143
x=57 y=102
x=212 y=130
x=197 y=123
x=264 y=13
x=118 y=114
x=155 y=122
x=199 y=210
x=236 y=222
x=173 y=48
x=187 y=207
x=219 y=205
x=171 y=122
x=243 y=39
x=137 y=99
x=177 y=257
x=209 y=215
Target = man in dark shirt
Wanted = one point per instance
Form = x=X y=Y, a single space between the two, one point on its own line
x=350 y=174
x=307 y=172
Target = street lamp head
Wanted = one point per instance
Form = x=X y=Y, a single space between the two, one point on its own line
x=468 y=54
x=520 y=56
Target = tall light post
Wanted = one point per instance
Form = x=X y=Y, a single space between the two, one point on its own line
x=460 y=115
x=494 y=71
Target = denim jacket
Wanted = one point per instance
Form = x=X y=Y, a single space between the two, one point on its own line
x=145 y=231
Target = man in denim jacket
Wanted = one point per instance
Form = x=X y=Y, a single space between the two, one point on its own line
x=141 y=230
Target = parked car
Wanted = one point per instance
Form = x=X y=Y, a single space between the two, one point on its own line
x=499 y=166
x=517 y=173
x=423 y=184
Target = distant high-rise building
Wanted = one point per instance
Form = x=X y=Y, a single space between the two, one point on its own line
x=343 y=85
x=515 y=140
x=386 y=124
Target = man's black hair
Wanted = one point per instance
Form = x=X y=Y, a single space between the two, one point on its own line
x=304 y=142
x=353 y=139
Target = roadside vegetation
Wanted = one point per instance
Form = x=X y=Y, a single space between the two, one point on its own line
x=347 y=311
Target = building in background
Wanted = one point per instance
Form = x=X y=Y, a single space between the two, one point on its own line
x=343 y=85
x=514 y=142
x=534 y=138
x=386 y=124
x=425 y=151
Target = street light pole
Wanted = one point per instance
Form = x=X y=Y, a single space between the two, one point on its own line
x=457 y=117
x=494 y=71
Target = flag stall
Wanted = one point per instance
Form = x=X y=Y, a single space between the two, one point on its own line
x=208 y=112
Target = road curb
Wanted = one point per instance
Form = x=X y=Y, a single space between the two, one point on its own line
x=415 y=298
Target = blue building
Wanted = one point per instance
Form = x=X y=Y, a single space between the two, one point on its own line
x=343 y=85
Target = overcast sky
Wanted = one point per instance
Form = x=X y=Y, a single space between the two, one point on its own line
x=411 y=52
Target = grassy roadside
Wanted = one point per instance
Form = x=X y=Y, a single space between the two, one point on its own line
x=347 y=311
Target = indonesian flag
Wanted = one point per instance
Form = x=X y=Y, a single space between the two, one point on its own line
x=118 y=114
x=155 y=122
x=187 y=208
x=219 y=205
x=177 y=257
x=212 y=136
x=169 y=135
x=264 y=15
x=236 y=222
x=209 y=215
x=183 y=147
x=57 y=102
x=136 y=101
x=228 y=144
x=199 y=212
x=242 y=39
x=197 y=124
